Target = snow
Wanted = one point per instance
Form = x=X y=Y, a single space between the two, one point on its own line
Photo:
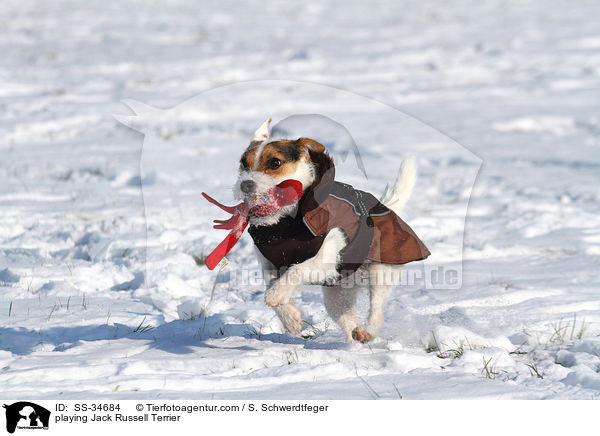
x=100 y=294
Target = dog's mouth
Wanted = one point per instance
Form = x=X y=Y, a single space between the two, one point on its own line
x=262 y=205
x=273 y=201
x=284 y=194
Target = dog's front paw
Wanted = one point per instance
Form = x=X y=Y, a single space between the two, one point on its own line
x=277 y=295
x=294 y=324
x=290 y=317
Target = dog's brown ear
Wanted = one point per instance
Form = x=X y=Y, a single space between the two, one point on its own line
x=312 y=145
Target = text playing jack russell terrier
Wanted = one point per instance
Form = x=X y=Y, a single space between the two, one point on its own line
x=321 y=232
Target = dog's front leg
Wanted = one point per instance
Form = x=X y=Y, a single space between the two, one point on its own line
x=290 y=317
x=320 y=269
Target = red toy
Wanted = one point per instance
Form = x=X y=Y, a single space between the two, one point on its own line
x=286 y=193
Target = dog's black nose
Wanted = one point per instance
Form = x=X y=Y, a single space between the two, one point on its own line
x=247 y=186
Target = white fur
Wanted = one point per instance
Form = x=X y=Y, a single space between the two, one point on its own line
x=340 y=303
x=304 y=173
x=290 y=317
x=396 y=197
x=379 y=292
x=263 y=131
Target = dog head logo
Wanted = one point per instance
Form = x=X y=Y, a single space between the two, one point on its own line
x=26 y=415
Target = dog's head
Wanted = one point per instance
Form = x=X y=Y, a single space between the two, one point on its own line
x=267 y=162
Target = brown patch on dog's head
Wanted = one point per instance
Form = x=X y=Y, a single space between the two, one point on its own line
x=279 y=158
x=249 y=157
x=311 y=145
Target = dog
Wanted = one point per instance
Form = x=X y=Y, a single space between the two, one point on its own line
x=333 y=235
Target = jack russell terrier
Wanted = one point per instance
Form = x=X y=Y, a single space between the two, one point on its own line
x=332 y=234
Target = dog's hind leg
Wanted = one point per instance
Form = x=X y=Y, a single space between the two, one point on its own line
x=383 y=278
x=340 y=303
x=290 y=317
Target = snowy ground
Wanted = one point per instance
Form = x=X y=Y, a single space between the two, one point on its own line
x=83 y=315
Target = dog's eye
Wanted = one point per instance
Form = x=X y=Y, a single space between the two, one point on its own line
x=274 y=163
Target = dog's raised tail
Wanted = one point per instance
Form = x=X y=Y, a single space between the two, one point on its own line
x=396 y=196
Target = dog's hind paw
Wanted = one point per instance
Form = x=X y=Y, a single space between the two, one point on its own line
x=361 y=335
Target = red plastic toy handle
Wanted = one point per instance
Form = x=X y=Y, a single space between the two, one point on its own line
x=228 y=209
x=287 y=192
x=213 y=259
